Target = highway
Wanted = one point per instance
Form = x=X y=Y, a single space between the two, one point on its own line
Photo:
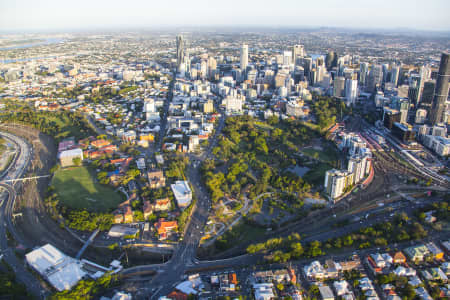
x=18 y=168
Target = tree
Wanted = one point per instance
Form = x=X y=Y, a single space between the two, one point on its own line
x=297 y=250
x=76 y=161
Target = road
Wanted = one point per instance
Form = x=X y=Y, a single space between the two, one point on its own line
x=184 y=255
x=183 y=259
x=20 y=165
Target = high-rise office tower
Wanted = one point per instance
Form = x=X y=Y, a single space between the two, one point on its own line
x=441 y=91
x=339 y=87
x=385 y=68
x=414 y=90
x=297 y=52
x=244 y=57
x=351 y=91
x=375 y=77
x=331 y=60
x=180 y=50
x=287 y=56
x=427 y=95
x=395 y=72
x=363 y=69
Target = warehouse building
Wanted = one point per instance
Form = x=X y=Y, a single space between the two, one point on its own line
x=61 y=271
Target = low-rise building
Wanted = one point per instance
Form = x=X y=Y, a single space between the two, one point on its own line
x=182 y=193
x=326 y=293
x=147 y=209
x=60 y=270
x=162 y=204
x=164 y=228
x=122 y=230
x=417 y=253
x=66 y=158
x=156 y=179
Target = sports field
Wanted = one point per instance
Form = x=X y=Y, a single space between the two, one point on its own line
x=79 y=190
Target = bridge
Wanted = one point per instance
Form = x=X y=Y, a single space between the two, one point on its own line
x=24 y=179
x=87 y=243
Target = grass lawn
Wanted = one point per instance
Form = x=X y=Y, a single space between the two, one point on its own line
x=240 y=233
x=78 y=189
x=316 y=174
x=328 y=154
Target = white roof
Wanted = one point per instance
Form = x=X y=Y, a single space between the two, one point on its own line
x=121 y=230
x=186 y=287
x=70 y=153
x=62 y=271
x=67 y=277
x=43 y=258
x=182 y=192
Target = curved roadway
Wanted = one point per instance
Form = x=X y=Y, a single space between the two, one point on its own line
x=17 y=169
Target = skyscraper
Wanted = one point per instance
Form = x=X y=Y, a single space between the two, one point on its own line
x=287 y=56
x=331 y=60
x=363 y=69
x=351 y=91
x=441 y=91
x=244 y=57
x=395 y=72
x=297 y=52
x=339 y=87
x=427 y=95
x=375 y=77
x=180 y=50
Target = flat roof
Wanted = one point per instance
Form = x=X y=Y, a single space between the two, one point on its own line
x=121 y=230
x=73 y=152
x=62 y=271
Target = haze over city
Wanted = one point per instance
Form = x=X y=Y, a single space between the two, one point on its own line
x=53 y=15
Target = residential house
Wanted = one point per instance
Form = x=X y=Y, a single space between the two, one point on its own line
x=281 y=275
x=177 y=295
x=399 y=258
x=377 y=262
x=333 y=268
x=100 y=143
x=147 y=209
x=165 y=227
x=417 y=253
x=341 y=288
x=435 y=251
x=402 y=271
x=314 y=271
x=292 y=277
x=118 y=218
x=263 y=291
x=326 y=292
x=162 y=204
x=128 y=215
x=422 y=293
x=263 y=276
x=156 y=179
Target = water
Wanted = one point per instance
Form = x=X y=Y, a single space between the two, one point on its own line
x=7 y=61
x=299 y=171
x=46 y=42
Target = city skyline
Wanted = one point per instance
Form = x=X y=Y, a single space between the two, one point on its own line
x=25 y=15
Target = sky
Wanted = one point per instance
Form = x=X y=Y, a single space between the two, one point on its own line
x=60 y=15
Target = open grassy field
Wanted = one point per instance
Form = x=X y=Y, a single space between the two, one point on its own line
x=78 y=189
x=328 y=154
